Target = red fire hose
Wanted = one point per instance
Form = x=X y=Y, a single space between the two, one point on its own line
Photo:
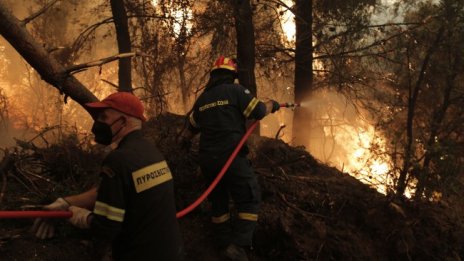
x=68 y=214
x=226 y=166
x=220 y=175
x=35 y=214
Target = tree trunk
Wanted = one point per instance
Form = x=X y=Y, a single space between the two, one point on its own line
x=124 y=45
x=435 y=127
x=412 y=99
x=35 y=54
x=303 y=68
x=245 y=45
x=181 y=50
x=183 y=82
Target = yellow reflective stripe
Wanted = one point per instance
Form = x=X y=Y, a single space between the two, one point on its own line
x=109 y=212
x=220 y=219
x=250 y=108
x=192 y=121
x=248 y=216
x=150 y=176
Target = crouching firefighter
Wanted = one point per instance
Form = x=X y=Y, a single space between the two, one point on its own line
x=133 y=206
x=220 y=115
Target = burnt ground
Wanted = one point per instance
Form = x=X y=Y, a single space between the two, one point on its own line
x=310 y=211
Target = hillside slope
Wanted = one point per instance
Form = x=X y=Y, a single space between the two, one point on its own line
x=310 y=211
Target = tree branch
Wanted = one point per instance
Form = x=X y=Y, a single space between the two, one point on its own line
x=100 y=62
x=376 y=43
x=38 y=13
x=110 y=83
x=84 y=35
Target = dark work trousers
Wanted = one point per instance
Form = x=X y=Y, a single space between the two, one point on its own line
x=240 y=184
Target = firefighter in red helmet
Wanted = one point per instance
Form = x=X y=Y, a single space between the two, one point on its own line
x=219 y=115
x=225 y=63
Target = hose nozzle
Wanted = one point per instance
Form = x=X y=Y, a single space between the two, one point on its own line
x=290 y=105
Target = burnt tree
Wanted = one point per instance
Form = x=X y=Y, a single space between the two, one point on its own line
x=303 y=66
x=245 y=44
x=124 y=45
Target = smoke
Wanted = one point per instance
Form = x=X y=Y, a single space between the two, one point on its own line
x=6 y=137
x=9 y=134
x=34 y=105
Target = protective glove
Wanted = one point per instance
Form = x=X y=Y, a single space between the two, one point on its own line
x=80 y=217
x=275 y=106
x=44 y=228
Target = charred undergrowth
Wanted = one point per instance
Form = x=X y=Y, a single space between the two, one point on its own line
x=310 y=211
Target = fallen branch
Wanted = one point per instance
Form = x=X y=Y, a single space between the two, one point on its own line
x=100 y=62
x=284 y=163
x=283 y=172
x=9 y=235
x=277 y=136
x=49 y=68
x=25 y=145
x=341 y=208
x=4 y=166
x=266 y=172
x=4 y=182
x=37 y=176
x=304 y=212
x=22 y=178
x=305 y=178
x=33 y=188
x=29 y=145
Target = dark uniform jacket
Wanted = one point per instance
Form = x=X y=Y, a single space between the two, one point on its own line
x=135 y=205
x=220 y=114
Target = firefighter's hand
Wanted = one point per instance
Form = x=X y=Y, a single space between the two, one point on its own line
x=80 y=217
x=44 y=228
x=275 y=106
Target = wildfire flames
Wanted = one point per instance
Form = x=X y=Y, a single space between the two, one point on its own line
x=362 y=162
x=339 y=136
x=342 y=137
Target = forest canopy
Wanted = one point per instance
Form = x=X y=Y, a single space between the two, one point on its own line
x=380 y=81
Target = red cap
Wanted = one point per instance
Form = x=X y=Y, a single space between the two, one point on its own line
x=124 y=102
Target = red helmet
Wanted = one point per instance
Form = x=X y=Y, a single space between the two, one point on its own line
x=124 y=102
x=225 y=63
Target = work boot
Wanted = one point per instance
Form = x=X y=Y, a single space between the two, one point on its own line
x=235 y=253
x=222 y=234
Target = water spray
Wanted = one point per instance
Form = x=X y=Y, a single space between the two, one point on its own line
x=310 y=103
